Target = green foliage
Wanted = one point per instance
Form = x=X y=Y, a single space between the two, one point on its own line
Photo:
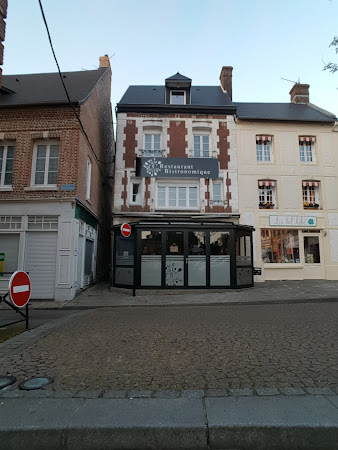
x=333 y=67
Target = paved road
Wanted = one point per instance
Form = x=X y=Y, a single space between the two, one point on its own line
x=159 y=348
x=36 y=317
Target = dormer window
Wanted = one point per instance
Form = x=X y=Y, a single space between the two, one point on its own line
x=177 y=97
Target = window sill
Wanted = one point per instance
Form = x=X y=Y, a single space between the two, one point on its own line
x=41 y=188
x=88 y=201
x=6 y=188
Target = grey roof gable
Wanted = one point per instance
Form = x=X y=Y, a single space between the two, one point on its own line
x=178 y=77
x=282 y=111
x=46 y=88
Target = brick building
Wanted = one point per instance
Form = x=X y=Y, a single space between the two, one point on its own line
x=55 y=188
x=176 y=183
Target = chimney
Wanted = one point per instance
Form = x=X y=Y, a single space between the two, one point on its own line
x=300 y=93
x=226 y=80
x=104 y=61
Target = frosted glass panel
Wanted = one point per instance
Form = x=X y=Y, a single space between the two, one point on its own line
x=174 y=270
x=151 y=270
x=197 y=270
x=220 y=270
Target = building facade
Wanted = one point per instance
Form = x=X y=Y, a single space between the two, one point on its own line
x=55 y=184
x=176 y=183
x=288 y=186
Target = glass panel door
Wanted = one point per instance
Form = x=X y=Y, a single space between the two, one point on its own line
x=196 y=258
x=311 y=250
x=174 y=267
x=151 y=258
x=219 y=258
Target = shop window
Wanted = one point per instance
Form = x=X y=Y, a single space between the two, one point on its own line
x=177 y=197
x=267 y=194
x=280 y=246
x=306 y=149
x=46 y=223
x=310 y=194
x=9 y=251
x=264 y=148
x=311 y=250
x=151 y=259
x=6 y=164
x=45 y=164
x=10 y=222
x=201 y=146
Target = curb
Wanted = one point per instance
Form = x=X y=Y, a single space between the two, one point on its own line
x=158 y=423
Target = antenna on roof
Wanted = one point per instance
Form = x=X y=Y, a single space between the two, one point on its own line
x=294 y=82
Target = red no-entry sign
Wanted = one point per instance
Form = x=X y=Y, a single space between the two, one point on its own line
x=19 y=288
x=126 y=229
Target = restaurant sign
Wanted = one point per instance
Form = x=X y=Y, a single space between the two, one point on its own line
x=177 y=167
x=293 y=221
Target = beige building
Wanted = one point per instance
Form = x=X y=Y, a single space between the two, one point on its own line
x=288 y=186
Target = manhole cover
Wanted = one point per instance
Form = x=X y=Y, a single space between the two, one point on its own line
x=6 y=381
x=35 y=383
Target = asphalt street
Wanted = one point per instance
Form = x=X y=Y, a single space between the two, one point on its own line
x=179 y=348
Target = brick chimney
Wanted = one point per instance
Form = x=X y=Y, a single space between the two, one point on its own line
x=3 y=15
x=104 y=61
x=226 y=80
x=300 y=93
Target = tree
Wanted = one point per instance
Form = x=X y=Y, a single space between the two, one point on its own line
x=333 y=67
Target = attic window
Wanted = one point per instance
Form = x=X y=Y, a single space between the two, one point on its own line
x=177 y=98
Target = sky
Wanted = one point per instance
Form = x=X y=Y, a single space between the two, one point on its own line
x=150 y=40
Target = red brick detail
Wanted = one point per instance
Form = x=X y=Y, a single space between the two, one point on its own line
x=130 y=143
x=223 y=146
x=181 y=116
x=228 y=193
x=207 y=192
x=177 y=143
x=124 y=191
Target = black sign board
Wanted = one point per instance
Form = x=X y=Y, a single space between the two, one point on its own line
x=257 y=271
x=177 y=167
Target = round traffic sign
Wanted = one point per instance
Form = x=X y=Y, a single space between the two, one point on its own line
x=126 y=229
x=19 y=288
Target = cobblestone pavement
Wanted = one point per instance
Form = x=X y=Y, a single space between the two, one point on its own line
x=218 y=349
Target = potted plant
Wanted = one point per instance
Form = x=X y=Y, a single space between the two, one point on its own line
x=266 y=205
x=309 y=205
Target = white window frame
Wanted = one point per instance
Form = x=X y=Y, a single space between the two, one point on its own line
x=267 y=194
x=217 y=183
x=3 y=167
x=201 y=144
x=172 y=94
x=139 y=195
x=48 y=145
x=88 y=178
x=306 y=193
x=306 y=156
x=152 y=151
x=265 y=154
x=187 y=196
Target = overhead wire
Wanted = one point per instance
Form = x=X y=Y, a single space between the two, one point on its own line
x=68 y=96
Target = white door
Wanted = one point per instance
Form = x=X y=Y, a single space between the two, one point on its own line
x=40 y=262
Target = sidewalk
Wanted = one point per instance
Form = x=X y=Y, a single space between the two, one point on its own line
x=270 y=292
x=308 y=422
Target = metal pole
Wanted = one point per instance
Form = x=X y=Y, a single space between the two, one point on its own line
x=27 y=318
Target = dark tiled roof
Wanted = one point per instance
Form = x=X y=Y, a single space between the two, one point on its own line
x=46 y=88
x=155 y=95
x=281 y=111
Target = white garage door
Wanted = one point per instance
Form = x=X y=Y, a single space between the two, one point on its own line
x=40 y=262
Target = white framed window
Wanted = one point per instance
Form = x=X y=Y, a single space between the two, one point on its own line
x=177 y=197
x=136 y=193
x=306 y=149
x=217 y=191
x=6 y=164
x=310 y=190
x=177 y=97
x=152 y=145
x=45 y=223
x=201 y=146
x=267 y=194
x=264 y=148
x=89 y=178
x=45 y=163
